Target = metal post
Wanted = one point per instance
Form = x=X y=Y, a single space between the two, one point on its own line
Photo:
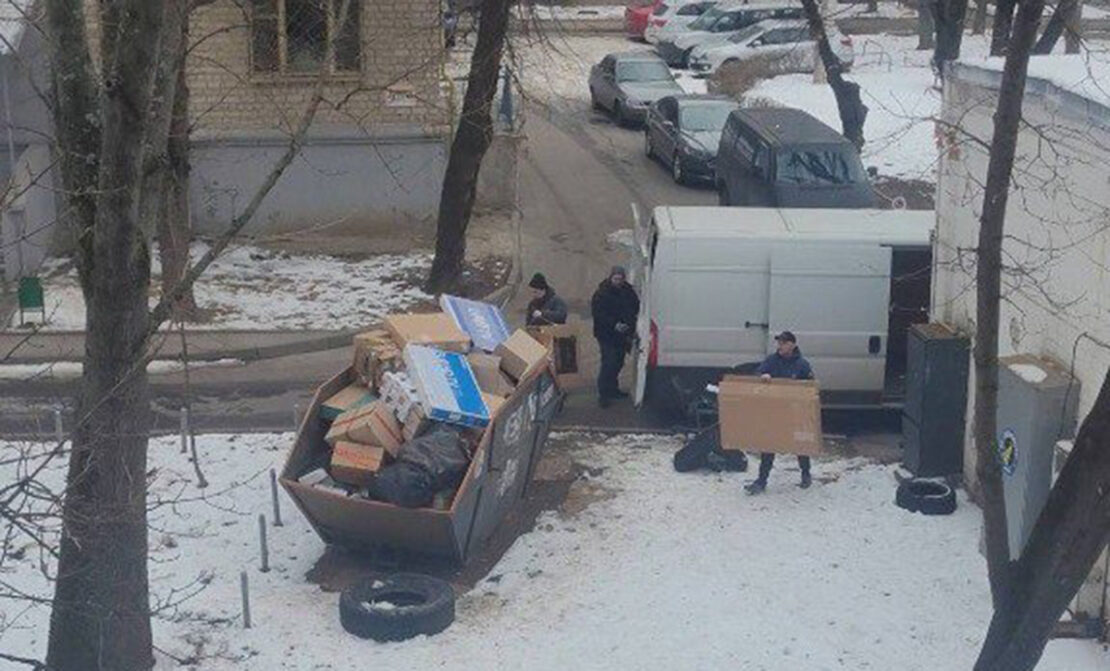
x=244 y=591
x=262 y=542
x=184 y=429
x=274 y=496
x=59 y=431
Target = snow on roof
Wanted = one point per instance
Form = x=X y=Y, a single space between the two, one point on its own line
x=13 y=20
x=895 y=227
x=1086 y=75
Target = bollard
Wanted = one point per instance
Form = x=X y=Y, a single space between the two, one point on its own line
x=59 y=431
x=262 y=542
x=184 y=429
x=244 y=590
x=274 y=496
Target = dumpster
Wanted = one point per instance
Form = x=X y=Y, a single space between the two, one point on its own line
x=495 y=480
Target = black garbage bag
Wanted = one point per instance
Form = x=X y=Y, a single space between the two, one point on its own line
x=704 y=451
x=435 y=461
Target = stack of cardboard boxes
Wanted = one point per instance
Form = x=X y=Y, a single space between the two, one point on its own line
x=453 y=367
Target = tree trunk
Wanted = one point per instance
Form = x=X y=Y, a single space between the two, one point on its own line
x=979 y=21
x=101 y=613
x=949 y=19
x=1069 y=536
x=1064 y=18
x=472 y=139
x=174 y=222
x=853 y=113
x=1003 y=22
x=1073 y=31
x=926 y=26
x=1007 y=118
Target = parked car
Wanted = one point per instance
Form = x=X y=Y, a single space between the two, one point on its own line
x=783 y=157
x=683 y=132
x=636 y=16
x=785 y=45
x=676 y=14
x=716 y=284
x=716 y=25
x=627 y=83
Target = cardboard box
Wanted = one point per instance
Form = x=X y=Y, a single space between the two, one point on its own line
x=436 y=330
x=375 y=355
x=446 y=386
x=352 y=396
x=483 y=322
x=385 y=430
x=355 y=464
x=493 y=404
x=561 y=341
x=487 y=370
x=521 y=355
x=414 y=424
x=780 y=416
x=399 y=393
x=352 y=426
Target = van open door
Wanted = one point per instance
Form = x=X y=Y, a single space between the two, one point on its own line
x=836 y=299
x=640 y=269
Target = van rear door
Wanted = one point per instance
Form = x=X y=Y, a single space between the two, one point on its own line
x=835 y=298
x=642 y=235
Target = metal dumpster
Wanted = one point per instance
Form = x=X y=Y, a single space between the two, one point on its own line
x=494 y=483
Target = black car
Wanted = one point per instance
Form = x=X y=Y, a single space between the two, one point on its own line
x=783 y=157
x=683 y=132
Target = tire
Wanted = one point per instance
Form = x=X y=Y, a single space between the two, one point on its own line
x=649 y=150
x=420 y=605
x=927 y=497
x=594 y=102
x=684 y=60
x=618 y=114
x=722 y=196
x=676 y=170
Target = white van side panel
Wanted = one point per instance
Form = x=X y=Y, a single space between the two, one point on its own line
x=835 y=298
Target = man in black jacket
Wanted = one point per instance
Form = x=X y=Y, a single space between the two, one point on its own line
x=615 y=308
x=545 y=307
x=786 y=362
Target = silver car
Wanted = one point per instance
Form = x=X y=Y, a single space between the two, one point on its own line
x=626 y=84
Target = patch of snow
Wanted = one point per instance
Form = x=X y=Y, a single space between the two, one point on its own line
x=252 y=288
x=669 y=572
x=1085 y=74
x=71 y=369
x=372 y=606
x=13 y=23
x=1031 y=373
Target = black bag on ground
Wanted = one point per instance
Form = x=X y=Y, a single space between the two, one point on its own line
x=436 y=460
x=704 y=451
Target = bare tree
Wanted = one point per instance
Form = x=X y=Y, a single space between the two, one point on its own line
x=472 y=138
x=979 y=20
x=926 y=26
x=1065 y=20
x=853 y=113
x=1003 y=23
x=948 y=17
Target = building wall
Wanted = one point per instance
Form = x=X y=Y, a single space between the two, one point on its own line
x=27 y=224
x=1057 y=250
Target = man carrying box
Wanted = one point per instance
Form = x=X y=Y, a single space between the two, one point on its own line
x=786 y=362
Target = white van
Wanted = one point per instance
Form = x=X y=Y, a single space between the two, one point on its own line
x=717 y=283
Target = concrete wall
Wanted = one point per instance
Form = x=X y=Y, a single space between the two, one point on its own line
x=27 y=229
x=1057 y=285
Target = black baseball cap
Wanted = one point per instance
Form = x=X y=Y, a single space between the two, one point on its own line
x=786 y=336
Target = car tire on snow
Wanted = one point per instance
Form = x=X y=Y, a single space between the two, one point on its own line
x=397 y=607
x=927 y=497
x=676 y=169
x=618 y=114
x=594 y=102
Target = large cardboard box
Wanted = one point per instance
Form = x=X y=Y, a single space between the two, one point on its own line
x=521 y=355
x=436 y=329
x=355 y=464
x=351 y=396
x=561 y=341
x=446 y=386
x=780 y=416
x=483 y=322
x=487 y=370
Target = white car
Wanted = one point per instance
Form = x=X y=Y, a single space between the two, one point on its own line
x=673 y=15
x=786 y=44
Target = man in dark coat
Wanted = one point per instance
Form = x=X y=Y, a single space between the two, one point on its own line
x=786 y=362
x=545 y=307
x=615 y=308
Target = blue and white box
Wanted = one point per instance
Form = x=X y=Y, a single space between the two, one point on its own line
x=446 y=386
x=483 y=322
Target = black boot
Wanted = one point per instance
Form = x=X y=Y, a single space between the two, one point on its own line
x=806 y=480
x=755 y=486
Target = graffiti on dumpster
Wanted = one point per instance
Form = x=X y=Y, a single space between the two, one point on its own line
x=508 y=477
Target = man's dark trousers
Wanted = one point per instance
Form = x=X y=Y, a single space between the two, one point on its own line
x=612 y=360
x=767 y=461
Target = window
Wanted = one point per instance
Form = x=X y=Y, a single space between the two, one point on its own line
x=786 y=36
x=692 y=9
x=706 y=116
x=643 y=71
x=818 y=166
x=660 y=9
x=292 y=36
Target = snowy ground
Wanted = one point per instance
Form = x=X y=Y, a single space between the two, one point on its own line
x=73 y=369
x=253 y=288
x=663 y=571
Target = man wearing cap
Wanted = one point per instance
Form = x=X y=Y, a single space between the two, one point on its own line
x=786 y=362
x=545 y=307
x=615 y=307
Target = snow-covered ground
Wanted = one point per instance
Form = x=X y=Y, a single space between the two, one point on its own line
x=72 y=369
x=253 y=288
x=665 y=571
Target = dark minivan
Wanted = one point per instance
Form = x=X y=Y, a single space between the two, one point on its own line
x=783 y=157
